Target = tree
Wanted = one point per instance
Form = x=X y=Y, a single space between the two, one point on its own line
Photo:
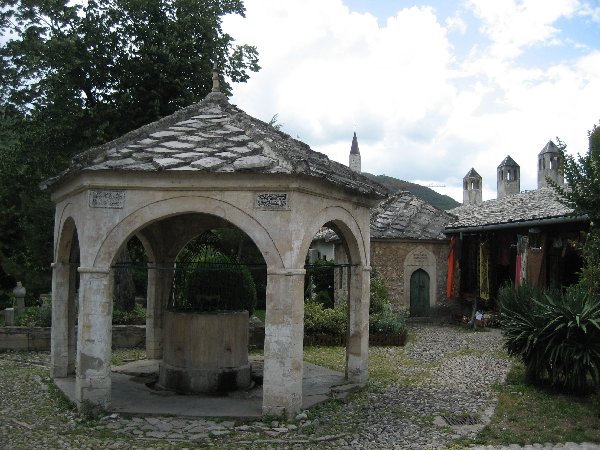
x=75 y=76
x=582 y=193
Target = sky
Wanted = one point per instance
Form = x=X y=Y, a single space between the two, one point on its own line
x=431 y=88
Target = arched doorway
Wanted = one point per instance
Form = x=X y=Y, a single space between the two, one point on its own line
x=419 y=293
x=64 y=301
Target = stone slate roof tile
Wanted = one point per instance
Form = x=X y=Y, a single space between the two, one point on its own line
x=402 y=216
x=538 y=204
x=405 y=216
x=215 y=136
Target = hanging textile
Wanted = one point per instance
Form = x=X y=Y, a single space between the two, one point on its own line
x=450 y=280
x=484 y=278
x=518 y=271
x=535 y=260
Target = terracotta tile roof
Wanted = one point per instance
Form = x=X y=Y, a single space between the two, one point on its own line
x=526 y=206
x=405 y=216
x=215 y=136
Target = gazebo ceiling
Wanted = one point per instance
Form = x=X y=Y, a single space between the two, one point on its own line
x=215 y=136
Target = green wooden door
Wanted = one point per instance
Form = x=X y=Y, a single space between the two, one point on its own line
x=419 y=294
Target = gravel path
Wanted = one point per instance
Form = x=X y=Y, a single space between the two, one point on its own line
x=442 y=373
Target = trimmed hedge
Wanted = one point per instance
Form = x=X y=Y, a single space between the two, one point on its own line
x=211 y=281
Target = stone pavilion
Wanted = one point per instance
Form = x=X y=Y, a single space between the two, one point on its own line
x=208 y=165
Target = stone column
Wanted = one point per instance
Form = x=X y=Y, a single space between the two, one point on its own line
x=94 y=337
x=59 y=334
x=160 y=278
x=284 y=333
x=357 y=351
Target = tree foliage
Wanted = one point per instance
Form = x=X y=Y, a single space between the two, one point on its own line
x=582 y=174
x=76 y=75
x=582 y=193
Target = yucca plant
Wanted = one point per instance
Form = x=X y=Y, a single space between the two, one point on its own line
x=572 y=340
x=556 y=335
x=522 y=319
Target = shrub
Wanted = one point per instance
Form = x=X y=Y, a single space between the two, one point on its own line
x=36 y=316
x=387 y=322
x=212 y=281
x=321 y=320
x=319 y=279
x=556 y=335
x=379 y=294
x=137 y=316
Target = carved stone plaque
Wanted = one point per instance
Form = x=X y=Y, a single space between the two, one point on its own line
x=271 y=201
x=107 y=199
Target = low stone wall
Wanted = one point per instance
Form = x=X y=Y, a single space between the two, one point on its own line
x=38 y=339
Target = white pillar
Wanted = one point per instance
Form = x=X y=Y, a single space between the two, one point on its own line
x=284 y=333
x=94 y=337
x=59 y=334
x=357 y=350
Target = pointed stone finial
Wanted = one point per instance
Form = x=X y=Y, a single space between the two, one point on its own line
x=215 y=79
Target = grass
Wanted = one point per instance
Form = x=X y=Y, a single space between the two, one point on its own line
x=526 y=414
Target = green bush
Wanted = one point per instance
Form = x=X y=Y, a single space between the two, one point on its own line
x=212 y=281
x=319 y=279
x=379 y=294
x=137 y=316
x=36 y=316
x=387 y=322
x=556 y=335
x=321 y=320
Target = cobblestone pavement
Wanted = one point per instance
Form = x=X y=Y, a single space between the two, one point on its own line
x=438 y=370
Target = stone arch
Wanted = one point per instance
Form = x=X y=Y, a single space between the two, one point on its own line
x=356 y=245
x=64 y=297
x=345 y=224
x=420 y=258
x=174 y=206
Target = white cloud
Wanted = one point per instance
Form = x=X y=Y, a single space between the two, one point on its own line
x=513 y=25
x=420 y=111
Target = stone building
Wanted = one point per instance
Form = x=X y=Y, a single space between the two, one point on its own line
x=409 y=250
x=208 y=165
x=518 y=236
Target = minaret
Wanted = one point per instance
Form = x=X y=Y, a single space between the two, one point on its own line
x=472 y=188
x=509 y=178
x=354 y=163
x=549 y=166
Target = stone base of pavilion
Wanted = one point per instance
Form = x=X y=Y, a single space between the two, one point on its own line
x=133 y=392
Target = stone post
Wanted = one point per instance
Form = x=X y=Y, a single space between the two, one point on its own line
x=357 y=352
x=59 y=334
x=9 y=317
x=94 y=337
x=284 y=333
x=19 y=293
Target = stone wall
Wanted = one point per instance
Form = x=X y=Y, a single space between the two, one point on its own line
x=389 y=258
x=38 y=338
x=124 y=336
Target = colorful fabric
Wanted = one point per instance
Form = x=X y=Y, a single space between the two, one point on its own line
x=450 y=280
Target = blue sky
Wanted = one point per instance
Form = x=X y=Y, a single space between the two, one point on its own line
x=432 y=88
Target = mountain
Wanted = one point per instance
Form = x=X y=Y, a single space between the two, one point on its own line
x=429 y=195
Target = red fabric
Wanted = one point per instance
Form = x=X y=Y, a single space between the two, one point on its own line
x=449 y=283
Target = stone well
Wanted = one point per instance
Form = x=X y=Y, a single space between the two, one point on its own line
x=205 y=352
